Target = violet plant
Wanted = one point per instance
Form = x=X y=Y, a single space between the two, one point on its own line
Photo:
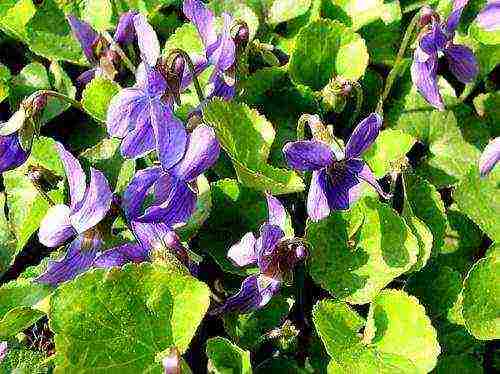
x=238 y=186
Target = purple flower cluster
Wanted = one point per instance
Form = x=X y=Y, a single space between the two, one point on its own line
x=436 y=40
x=163 y=196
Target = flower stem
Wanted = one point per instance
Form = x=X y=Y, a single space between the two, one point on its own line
x=190 y=64
x=115 y=47
x=359 y=103
x=399 y=57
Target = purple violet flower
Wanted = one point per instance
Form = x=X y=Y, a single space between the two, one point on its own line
x=94 y=46
x=489 y=17
x=88 y=207
x=143 y=115
x=173 y=186
x=12 y=155
x=276 y=256
x=335 y=183
x=489 y=157
x=439 y=39
x=220 y=49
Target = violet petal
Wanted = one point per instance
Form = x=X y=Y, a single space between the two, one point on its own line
x=86 y=36
x=307 y=155
x=363 y=135
x=95 y=204
x=125 y=30
x=136 y=191
x=12 y=154
x=317 y=200
x=202 y=152
x=55 y=227
x=462 y=62
x=424 y=77
x=255 y=292
x=147 y=40
x=78 y=258
x=74 y=174
x=170 y=135
x=489 y=17
x=243 y=252
x=276 y=212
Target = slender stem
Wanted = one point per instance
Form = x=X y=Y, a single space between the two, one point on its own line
x=392 y=74
x=115 y=47
x=190 y=64
x=359 y=102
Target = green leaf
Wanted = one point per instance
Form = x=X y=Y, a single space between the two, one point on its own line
x=358 y=13
x=325 y=49
x=462 y=243
x=15 y=15
x=355 y=254
x=97 y=95
x=284 y=10
x=426 y=204
x=397 y=324
x=18 y=305
x=106 y=156
x=481 y=298
x=8 y=247
x=48 y=34
x=338 y=327
x=247 y=137
x=98 y=13
x=121 y=319
x=236 y=210
x=437 y=288
x=21 y=359
x=383 y=36
x=478 y=197
x=423 y=235
x=4 y=82
x=225 y=357
x=185 y=37
x=248 y=330
x=488 y=107
x=26 y=206
x=389 y=148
